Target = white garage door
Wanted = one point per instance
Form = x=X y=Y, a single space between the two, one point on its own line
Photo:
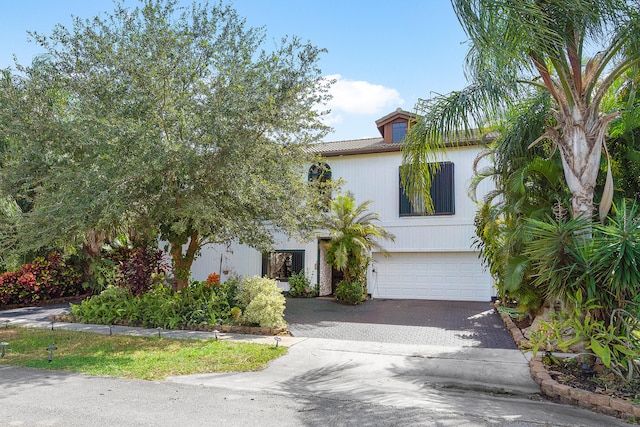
x=457 y=276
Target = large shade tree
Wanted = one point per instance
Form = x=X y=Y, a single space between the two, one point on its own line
x=572 y=49
x=169 y=120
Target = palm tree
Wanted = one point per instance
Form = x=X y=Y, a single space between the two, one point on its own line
x=528 y=183
x=353 y=236
x=518 y=47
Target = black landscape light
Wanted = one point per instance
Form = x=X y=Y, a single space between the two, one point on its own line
x=110 y=329
x=277 y=339
x=159 y=332
x=2 y=346
x=6 y=324
x=51 y=348
x=215 y=334
x=586 y=370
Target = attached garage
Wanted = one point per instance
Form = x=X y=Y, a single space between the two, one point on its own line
x=455 y=276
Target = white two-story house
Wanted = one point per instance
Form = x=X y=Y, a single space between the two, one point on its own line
x=432 y=256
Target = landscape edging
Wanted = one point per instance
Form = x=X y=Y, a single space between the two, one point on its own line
x=549 y=387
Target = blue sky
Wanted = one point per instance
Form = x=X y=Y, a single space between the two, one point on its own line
x=383 y=55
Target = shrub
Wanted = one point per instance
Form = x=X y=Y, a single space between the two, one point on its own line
x=350 y=292
x=111 y=306
x=267 y=310
x=263 y=302
x=236 y=313
x=251 y=287
x=300 y=286
x=41 y=280
x=197 y=304
x=102 y=273
x=229 y=289
x=137 y=267
x=614 y=344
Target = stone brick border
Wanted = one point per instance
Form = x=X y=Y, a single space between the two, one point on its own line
x=595 y=402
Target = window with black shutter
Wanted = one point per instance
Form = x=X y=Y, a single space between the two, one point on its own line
x=281 y=264
x=442 y=194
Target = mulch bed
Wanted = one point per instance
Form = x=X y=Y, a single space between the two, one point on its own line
x=569 y=372
x=230 y=329
x=76 y=299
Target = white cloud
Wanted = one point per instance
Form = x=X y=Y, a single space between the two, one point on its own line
x=360 y=97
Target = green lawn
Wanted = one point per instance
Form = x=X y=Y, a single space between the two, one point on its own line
x=131 y=357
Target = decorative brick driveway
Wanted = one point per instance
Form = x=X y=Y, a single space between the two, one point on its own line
x=445 y=323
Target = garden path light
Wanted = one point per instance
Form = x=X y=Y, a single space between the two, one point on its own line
x=51 y=348
x=2 y=346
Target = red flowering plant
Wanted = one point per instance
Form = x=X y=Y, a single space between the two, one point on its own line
x=213 y=280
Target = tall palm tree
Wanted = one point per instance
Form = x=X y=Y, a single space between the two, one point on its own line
x=353 y=236
x=517 y=47
x=528 y=183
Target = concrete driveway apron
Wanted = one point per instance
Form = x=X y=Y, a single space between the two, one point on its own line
x=416 y=322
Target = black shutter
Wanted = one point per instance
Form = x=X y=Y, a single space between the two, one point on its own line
x=297 y=261
x=442 y=194
x=405 y=204
x=265 y=264
x=442 y=190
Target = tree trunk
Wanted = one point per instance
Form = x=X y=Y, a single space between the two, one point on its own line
x=95 y=241
x=580 y=149
x=182 y=263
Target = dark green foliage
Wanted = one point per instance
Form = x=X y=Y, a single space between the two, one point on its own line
x=613 y=340
x=604 y=267
x=41 y=280
x=100 y=274
x=299 y=286
x=353 y=235
x=559 y=258
x=197 y=304
x=126 y=267
x=529 y=183
x=616 y=258
x=350 y=292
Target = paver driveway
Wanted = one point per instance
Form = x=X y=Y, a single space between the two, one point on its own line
x=444 y=323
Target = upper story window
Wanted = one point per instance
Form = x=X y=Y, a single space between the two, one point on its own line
x=320 y=172
x=442 y=194
x=399 y=131
x=320 y=177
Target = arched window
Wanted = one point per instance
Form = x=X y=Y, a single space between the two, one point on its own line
x=320 y=178
x=320 y=172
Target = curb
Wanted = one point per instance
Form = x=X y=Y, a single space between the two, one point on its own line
x=552 y=389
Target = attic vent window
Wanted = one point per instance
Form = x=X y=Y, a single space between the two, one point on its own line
x=399 y=131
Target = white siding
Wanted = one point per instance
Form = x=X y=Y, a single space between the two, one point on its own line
x=245 y=261
x=432 y=256
x=376 y=177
